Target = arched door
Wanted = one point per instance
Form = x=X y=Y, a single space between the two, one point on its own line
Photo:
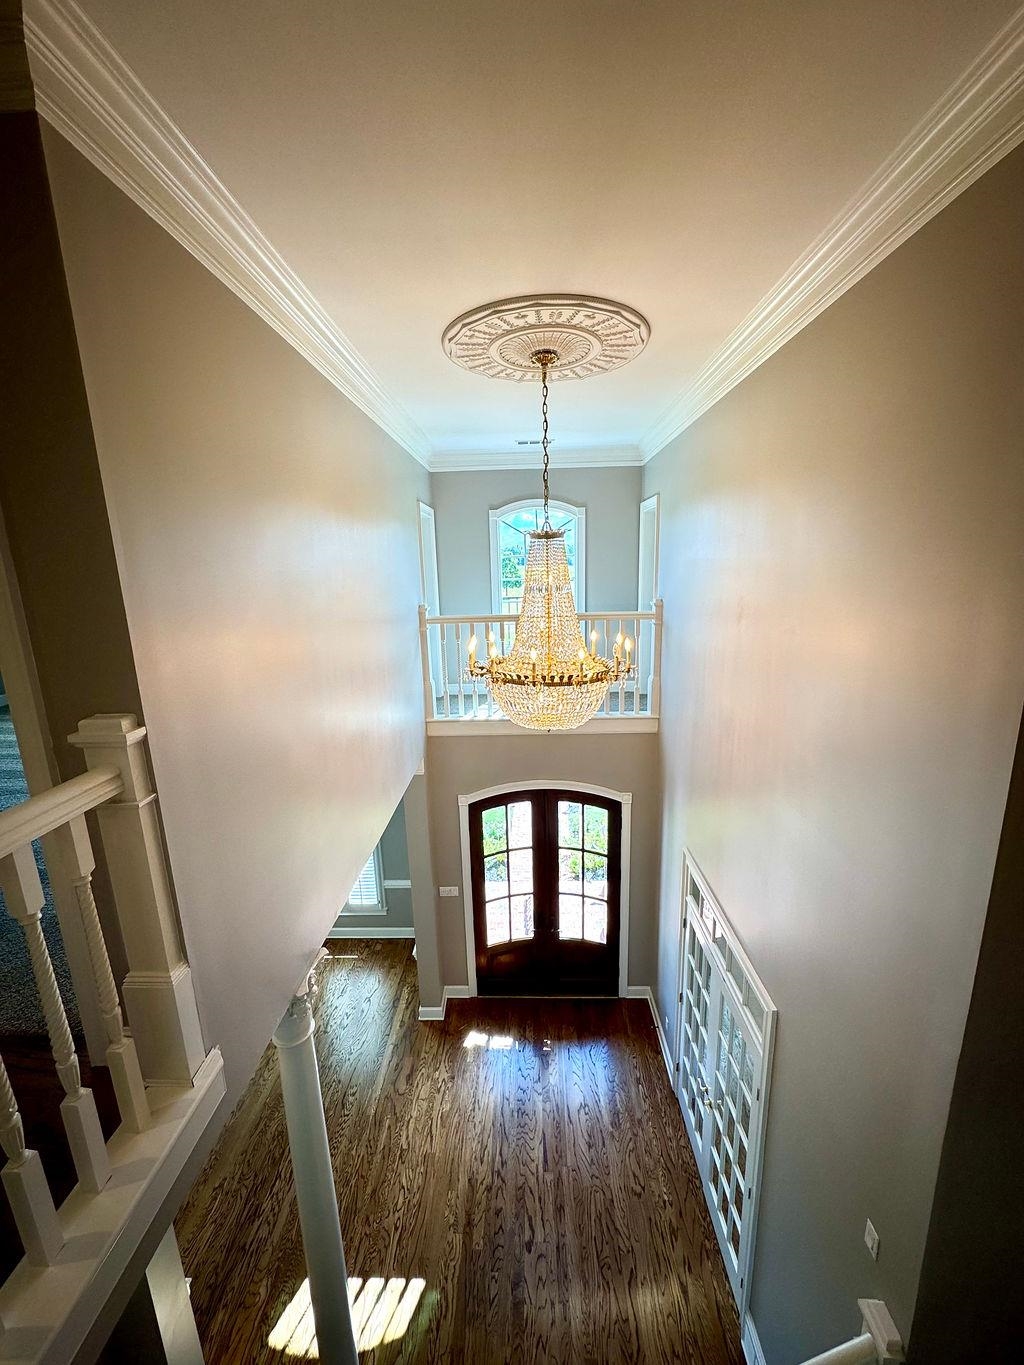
x=546 y=868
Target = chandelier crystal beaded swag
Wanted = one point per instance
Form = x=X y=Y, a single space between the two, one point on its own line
x=549 y=680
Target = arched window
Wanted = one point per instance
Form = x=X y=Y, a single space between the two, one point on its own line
x=510 y=531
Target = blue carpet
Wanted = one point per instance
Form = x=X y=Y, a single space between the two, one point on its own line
x=21 y=1014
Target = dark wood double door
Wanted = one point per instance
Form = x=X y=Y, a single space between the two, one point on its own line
x=546 y=869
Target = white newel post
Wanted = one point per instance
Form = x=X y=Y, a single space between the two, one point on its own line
x=157 y=991
x=314 y=1184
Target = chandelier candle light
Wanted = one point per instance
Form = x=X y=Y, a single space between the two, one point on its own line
x=549 y=680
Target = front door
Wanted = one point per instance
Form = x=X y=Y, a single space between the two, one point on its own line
x=546 y=868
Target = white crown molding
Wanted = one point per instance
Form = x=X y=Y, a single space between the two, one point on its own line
x=976 y=122
x=590 y=457
x=92 y=97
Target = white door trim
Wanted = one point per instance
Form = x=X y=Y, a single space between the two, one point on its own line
x=625 y=799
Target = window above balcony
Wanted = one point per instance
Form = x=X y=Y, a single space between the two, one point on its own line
x=510 y=528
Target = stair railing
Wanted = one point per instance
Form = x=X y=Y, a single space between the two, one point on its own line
x=165 y=1042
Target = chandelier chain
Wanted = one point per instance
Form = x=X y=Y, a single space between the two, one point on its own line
x=544 y=417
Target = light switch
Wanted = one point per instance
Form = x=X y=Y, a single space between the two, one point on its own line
x=871 y=1239
x=447 y=890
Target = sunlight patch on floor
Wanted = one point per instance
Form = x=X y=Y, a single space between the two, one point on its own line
x=382 y=1310
x=494 y=1042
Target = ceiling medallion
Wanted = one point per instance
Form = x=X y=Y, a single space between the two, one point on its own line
x=586 y=335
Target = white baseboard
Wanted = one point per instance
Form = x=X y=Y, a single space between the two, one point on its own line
x=645 y=993
x=381 y=931
x=449 y=993
x=751 y=1343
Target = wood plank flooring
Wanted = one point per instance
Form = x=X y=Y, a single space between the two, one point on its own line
x=525 y=1159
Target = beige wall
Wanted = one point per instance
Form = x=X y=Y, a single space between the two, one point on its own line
x=458 y=766
x=461 y=505
x=843 y=573
x=265 y=533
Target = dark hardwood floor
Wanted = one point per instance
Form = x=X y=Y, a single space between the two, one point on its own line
x=516 y=1180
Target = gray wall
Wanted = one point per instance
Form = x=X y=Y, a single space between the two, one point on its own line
x=263 y=528
x=394 y=861
x=461 y=505
x=842 y=563
x=461 y=765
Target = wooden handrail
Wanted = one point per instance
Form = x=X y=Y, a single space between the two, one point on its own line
x=30 y=819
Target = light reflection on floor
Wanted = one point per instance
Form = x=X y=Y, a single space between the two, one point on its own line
x=382 y=1310
x=494 y=1042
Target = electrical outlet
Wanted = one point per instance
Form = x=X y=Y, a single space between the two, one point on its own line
x=871 y=1239
x=447 y=890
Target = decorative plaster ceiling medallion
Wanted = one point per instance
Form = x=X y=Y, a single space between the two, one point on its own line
x=587 y=336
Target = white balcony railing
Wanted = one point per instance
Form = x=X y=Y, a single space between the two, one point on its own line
x=450 y=696
x=166 y=1085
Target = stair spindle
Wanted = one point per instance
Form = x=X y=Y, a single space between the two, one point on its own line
x=25 y=1182
x=23 y=893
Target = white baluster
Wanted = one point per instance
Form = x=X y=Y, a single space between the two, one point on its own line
x=23 y=894
x=121 y=1057
x=605 y=650
x=444 y=673
x=622 y=681
x=650 y=628
x=460 y=710
x=25 y=1183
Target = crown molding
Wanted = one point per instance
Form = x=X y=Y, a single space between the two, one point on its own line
x=977 y=121
x=92 y=97
x=593 y=457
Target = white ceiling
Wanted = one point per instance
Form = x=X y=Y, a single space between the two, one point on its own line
x=412 y=160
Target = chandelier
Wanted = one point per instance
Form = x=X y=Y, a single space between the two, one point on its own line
x=549 y=680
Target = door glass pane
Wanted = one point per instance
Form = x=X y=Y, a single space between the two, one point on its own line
x=570 y=916
x=520 y=824
x=496 y=876
x=520 y=872
x=493 y=822
x=595 y=872
x=497 y=922
x=522 y=917
x=595 y=921
x=595 y=828
x=570 y=824
x=569 y=871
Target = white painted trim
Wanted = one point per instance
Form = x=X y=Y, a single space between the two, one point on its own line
x=28 y=716
x=625 y=800
x=645 y=993
x=372 y=931
x=92 y=97
x=571 y=509
x=397 y=884
x=587 y=457
x=751 y=1343
x=449 y=993
x=653 y=502
x=57 y=1305
x=977 y=121
x=605 y=725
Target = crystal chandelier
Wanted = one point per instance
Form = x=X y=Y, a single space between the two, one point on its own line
x=549 y=680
